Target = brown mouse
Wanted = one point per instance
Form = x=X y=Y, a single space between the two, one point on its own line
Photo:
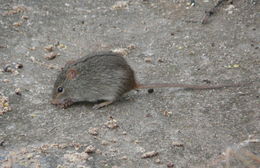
x=102 y=77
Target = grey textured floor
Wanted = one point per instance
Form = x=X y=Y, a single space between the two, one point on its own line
x=164 y=41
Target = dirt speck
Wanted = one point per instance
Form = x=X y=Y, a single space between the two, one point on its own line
x=93 y=131
x=112 y=123
x=90 y=149
x=149 y=154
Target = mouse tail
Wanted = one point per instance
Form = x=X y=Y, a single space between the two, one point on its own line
x=185 y=86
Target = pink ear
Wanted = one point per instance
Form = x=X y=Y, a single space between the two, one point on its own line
x=70 y=62
x=71 y=74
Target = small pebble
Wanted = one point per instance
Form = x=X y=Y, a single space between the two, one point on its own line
x=113 y=150
x=131 y=47
x=49 y=48
x=170 y=165
x=93 y=131
x=103 y=142
x=4 y=105
x=32 y=48
x=6 y=80
x=17 y=24
x=113 y=140
x=18 y=91
x=25 y=17
x=51 y=56
x=120 y=5
x=158 y=161
x=62 y=46
x=98 y=151
x=148 y=59
x=90 y=149
x=148 y=115
x=178 y=144
x=160 y=60
x=167 y=113
x=29 y=156
x=149 y=154
x=19 y=66
x=15 y=72
x=136 y=141
x=112 y=123
x=150 y=90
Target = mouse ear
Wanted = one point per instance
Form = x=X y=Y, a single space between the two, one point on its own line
x=71 y=74
x=70 y=62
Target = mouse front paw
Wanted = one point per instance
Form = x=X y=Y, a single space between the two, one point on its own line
x=63 y=103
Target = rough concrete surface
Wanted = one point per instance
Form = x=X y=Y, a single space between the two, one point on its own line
x=164 y=41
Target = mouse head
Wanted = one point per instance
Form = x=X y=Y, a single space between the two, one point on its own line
x=64 y=93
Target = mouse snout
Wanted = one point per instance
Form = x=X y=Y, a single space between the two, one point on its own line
x=64 y=103
x=55 y=101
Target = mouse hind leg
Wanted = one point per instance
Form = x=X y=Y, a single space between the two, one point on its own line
x=103 y=104
x=104 y=101
x=109 y=98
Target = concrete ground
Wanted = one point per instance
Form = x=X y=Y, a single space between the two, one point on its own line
x=164 y=41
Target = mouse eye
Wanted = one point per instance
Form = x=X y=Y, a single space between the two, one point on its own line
x=60 y=89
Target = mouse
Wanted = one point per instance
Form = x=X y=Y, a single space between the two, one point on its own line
x=102 y=78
